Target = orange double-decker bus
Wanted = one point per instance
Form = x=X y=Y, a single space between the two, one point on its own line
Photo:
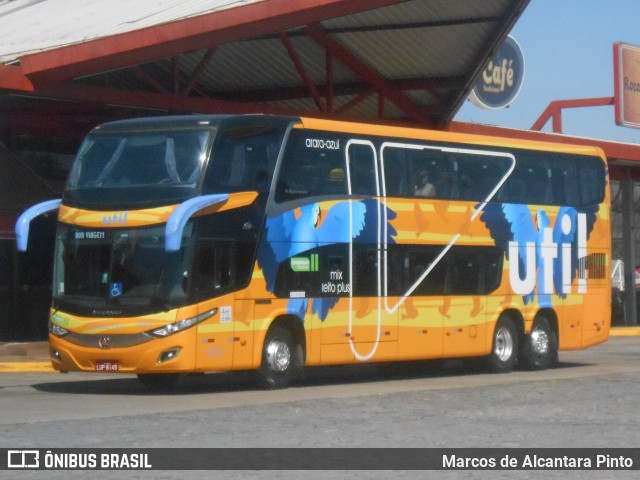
x=248 y=242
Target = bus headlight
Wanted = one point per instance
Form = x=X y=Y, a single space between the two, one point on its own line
x=182 y=324
x=57 y=330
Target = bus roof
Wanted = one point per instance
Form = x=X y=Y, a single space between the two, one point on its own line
x=188 y=121
x=383 y=130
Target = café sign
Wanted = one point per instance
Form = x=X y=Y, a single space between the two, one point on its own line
x=502 y=78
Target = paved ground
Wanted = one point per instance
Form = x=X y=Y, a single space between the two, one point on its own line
x=591 y=400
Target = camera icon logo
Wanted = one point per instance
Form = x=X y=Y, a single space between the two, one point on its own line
x=23 y=459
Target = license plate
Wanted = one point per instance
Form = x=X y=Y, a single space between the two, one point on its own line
x=106 y=366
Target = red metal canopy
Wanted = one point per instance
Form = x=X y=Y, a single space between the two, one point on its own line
x=385 y=60
x=392 y=60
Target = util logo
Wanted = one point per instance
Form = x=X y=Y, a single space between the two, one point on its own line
x=552 y=251
x=115 y=219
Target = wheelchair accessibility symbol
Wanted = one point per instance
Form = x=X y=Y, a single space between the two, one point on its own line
x=115 y=289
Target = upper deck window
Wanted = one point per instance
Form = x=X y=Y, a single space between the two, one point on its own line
x=138 y=167
x=243 y=159
x=313 y=164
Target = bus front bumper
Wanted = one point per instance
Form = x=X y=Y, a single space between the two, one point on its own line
x=172 y=354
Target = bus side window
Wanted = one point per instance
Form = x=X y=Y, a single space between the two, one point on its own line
x=307 y=170
x=462 y=271
x=188 y=153
x=473 y=270
x=237 y=167
x=514 y=190
x=432 y=173
x=591 y=182
x=369 y=268
x=362 y=170
x=465 y=272
x=394 y=164
x=422 y=164
x=213 y=273
x=417 y=261
x=530 y=182
x=365 y=281
x=538 y=180
x=446 y=185
x=243 y=159
x=264 y=165
x=405 y=169
x=219 y=170
x=332 y=182
x=492 y=258
x=292 y=183
x=565 y=188
x=480 y=175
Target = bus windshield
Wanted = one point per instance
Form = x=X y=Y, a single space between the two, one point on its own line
x=120 y=271
x=141 y=168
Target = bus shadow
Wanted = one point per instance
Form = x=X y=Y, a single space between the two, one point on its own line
x=186 y=385
x=246 y=381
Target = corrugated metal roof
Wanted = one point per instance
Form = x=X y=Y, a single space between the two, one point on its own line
x=30 y=26
x=411 y=60
x=438 y=33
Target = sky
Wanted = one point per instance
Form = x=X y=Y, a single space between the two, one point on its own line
x=568 y=54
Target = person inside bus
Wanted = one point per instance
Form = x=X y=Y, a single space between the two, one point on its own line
x=423 y=188
x=445 y=186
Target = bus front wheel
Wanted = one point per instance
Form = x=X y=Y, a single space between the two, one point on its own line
x=504 y=351
x=540 y=348
x=281 y=359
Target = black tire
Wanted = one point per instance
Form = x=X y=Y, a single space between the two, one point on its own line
x=281 y=359
x=504 y=349
x=540 y=347
x=158 y=381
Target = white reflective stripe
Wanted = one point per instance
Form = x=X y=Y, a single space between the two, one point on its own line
x=373 y=350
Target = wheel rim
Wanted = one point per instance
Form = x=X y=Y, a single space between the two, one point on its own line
x=278 y=356
x=539 y=341
x=504 y=344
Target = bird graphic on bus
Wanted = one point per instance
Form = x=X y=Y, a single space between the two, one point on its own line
x=305 y=228
x=542 y=256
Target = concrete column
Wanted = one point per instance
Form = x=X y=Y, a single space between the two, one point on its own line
x=629 y=249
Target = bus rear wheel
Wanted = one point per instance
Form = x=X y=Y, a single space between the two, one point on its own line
x=504 y=350
x=540 y=348
x=281 y=359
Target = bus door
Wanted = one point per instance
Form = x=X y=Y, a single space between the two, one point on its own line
x=225 y=340
x=213 y=283
x=215 y=347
